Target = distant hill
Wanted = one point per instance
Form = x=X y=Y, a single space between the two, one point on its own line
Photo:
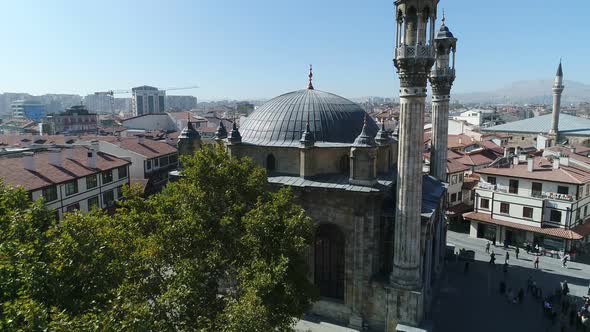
x=529 y=92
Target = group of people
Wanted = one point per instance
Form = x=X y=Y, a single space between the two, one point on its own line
x=517 y=252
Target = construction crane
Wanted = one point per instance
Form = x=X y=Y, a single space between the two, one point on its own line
x=112 y=93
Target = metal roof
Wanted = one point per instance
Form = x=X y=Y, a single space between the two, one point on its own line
x=568 y=125
x=282 y=120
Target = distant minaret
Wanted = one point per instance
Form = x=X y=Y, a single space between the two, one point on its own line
x=557 y=90
x=441 y=78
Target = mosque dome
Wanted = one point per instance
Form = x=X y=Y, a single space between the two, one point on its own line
x=282 y=120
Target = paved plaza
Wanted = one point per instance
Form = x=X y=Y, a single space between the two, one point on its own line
x=471 y=301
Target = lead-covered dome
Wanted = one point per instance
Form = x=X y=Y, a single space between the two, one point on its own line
x=281 y=121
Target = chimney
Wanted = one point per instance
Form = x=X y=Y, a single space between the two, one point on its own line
x=140 y=138
x=55 y=157
x=92 y=154
x=29 y=161
x=169 y=140
x=515 y=160
x=573 y=149
x=529 y=164
x=565 y=161
x=556 y=163
x=460 y=140
x=506 y=152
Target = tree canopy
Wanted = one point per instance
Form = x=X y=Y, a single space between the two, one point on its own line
x=215 y=251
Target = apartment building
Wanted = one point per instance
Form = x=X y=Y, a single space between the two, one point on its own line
x=151 y=161
x=540 y=200
x=68 y=179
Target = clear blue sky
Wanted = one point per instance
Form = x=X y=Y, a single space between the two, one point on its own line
x=261 y=48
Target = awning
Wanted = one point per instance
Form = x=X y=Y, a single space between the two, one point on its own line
x=575 y=233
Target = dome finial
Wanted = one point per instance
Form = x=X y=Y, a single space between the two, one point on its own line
x=310 y=85
x=443 y=18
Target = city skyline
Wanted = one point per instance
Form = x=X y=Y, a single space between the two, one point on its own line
x=262 y=49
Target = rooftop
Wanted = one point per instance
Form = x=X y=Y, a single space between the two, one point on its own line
x=148 y=148
x=542 y=170
x=74 y=165
x=568 y=125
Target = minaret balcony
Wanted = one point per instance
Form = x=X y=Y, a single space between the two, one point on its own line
x=442 y=72
x=414 y=51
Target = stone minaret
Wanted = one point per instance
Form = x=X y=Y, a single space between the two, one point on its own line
x=414 y=57
x=557 y=90
x=441 y=77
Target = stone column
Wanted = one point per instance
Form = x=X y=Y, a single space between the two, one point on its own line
x=440 y=129
x=406 y=262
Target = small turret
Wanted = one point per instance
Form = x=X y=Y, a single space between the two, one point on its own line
x=235 y=137
x=382 y=136
x=363 y=155
x=307 y=137
x=221 y=132
x=189 y=140
x=364 y=139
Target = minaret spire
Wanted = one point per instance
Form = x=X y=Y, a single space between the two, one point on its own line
x=310 y=85
x=557 y=90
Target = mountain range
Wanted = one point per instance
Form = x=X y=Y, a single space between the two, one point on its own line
x=528 y=92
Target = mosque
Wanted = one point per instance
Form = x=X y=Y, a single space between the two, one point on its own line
x=381 y=234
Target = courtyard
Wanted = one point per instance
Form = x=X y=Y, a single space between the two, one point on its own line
x=471 y=301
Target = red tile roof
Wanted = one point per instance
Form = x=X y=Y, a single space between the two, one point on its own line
x=453 y=166
x=461 y=140
x=576 y=233
x=74 y=165
x=542 y=170
x=478 y=158
x=148 y=148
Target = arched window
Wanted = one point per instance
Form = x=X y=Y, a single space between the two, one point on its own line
x=344 y=164
x=270 y=163
x=329 y=261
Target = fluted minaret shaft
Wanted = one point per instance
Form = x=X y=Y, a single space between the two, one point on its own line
x=557 y=90
x=414 y=58
x=440 y=134
x=441 y=79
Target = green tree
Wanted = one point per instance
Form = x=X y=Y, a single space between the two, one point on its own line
x=215 y=251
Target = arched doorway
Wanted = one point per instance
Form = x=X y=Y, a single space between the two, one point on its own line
x=329 y=261
x=270 y=163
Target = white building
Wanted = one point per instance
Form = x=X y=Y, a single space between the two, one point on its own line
x=476 y=117
x=151 y=161
x=147 y=99
x=540 y=200
x=76 y=178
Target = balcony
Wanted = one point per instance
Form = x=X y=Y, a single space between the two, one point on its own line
x=539 y=195
x=442 y=72
x=414 y=51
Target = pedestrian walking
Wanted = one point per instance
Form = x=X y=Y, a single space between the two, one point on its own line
x=488 y=247
x=507 y=257
x=565 y=288
x=492 y=258
x=536 y=262
x=494 y=240
x=564 y=260
x=517 y=251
